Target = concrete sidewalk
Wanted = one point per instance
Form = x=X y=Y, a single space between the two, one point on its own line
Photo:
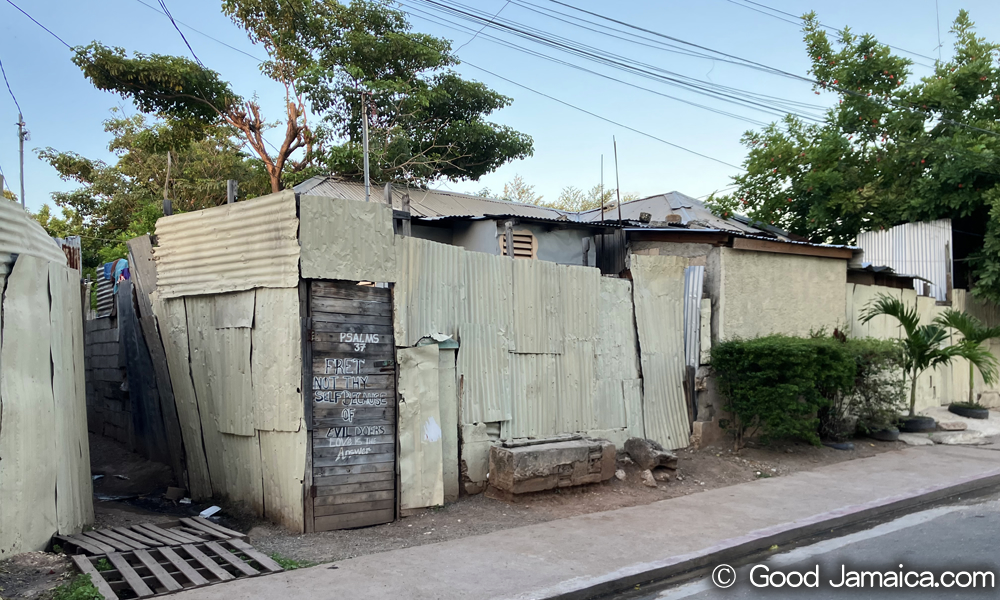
x=578 y=556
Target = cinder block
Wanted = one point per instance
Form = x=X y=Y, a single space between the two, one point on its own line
x=546 y=466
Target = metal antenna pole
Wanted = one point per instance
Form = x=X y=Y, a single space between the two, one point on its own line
x=618 y=187
x=364 y=116
x=21 y=135
x=168 y=208
x=602 y=188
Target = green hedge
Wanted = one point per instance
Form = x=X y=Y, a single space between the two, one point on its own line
x=775 y=386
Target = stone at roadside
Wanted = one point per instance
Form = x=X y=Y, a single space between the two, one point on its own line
x=952 y=426
x=620 y=474
x=649 y=454
x=916 y=439
x=661 y=475
x=545 y=466
x=957 y=438
x=648 y=479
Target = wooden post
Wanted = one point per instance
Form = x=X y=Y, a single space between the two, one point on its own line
x=388 y=194
x=508 y=234
x=231 y=190
x=586 y=252
x=407 y=228
x=168 y=209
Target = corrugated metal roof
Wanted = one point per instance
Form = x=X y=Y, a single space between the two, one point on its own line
x=429 y=203
x=227 y=248
x=20 y=234
x=105 y=296
x=692 y=212
x=923 y=249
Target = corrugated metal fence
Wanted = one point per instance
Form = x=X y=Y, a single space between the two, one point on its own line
x=923 y=249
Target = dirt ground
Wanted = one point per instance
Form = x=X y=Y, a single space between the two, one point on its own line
x=698 y=470
x=138 y=498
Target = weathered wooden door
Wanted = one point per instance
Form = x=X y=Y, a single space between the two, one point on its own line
x=353 y=432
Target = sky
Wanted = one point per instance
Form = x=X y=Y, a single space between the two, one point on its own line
x=696 y=151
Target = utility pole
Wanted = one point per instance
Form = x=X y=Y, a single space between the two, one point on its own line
x=22 y=134
x=168 y=208
x=364 y=126
x=618 y=187
x=232 y=188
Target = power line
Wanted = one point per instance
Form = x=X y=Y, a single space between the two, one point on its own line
x=62 y=41
x=201 y=33
x=13 y=97
x=740 y=97
x=597 y=116
x=166 y=11
x=485 y=25
x=451 y=25
x=828 y=27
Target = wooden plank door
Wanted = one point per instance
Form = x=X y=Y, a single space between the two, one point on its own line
x=353 y=432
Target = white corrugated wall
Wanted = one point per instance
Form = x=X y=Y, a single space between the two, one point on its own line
x=923 y=249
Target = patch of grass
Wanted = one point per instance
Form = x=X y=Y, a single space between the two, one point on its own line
x=967 y=405
x=57 y=548
x=81 y=588
x=290 y=564
x=103 y=565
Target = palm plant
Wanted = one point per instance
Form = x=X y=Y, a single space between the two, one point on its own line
x=923 y=345
x=974 y=334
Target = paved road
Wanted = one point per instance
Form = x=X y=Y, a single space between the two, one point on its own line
x=958 y=537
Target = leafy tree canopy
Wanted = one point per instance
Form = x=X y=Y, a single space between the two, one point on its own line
x=426 y=121
x=890 y=151
x=117 y=202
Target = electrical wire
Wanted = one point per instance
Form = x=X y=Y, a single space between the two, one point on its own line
x=201 y=33
x=732 y=95
x=483 y=27
x=451 y=25
x=166 y=11
x=62 y=41
x=13 y=97
x=597 y=116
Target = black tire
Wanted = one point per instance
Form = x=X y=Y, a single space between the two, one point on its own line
x=918 y=425
x=885 y=435
x=969 y=413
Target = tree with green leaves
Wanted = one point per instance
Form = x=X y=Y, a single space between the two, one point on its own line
x=116 y=202
x=890 y=151
x=924 y=346
x=332 y=59
x=974 y=335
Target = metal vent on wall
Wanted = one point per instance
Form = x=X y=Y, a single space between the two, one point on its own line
x=525 y=244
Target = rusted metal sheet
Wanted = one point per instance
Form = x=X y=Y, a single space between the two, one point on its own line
x=922 y=249
x=659 y=313
x=228 y=248
x=346 y=239
x=73 y=250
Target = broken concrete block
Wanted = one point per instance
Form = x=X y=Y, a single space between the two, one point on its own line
x=952 y=426
x=956 y=438
x=550 y=465
x=620 y=474
x=649 y=455
x=647 y=479
x=915 y=439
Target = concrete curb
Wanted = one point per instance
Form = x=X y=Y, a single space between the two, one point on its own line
x=585 y=588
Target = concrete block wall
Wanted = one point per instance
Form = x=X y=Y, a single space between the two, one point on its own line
x=108 y=405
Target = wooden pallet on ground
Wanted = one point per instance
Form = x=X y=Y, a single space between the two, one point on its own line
x=165 y=569
x=195 y=530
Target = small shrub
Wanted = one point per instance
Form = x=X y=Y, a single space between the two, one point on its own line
x=879 y=394
x=775 y=386
x=103 y=564
x=81 y=588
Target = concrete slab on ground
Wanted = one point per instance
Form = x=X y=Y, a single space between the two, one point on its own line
x=560 y=559
x=988 y=427
x=916 y=439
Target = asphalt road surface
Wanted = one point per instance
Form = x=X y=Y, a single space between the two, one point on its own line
x=962 y=538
